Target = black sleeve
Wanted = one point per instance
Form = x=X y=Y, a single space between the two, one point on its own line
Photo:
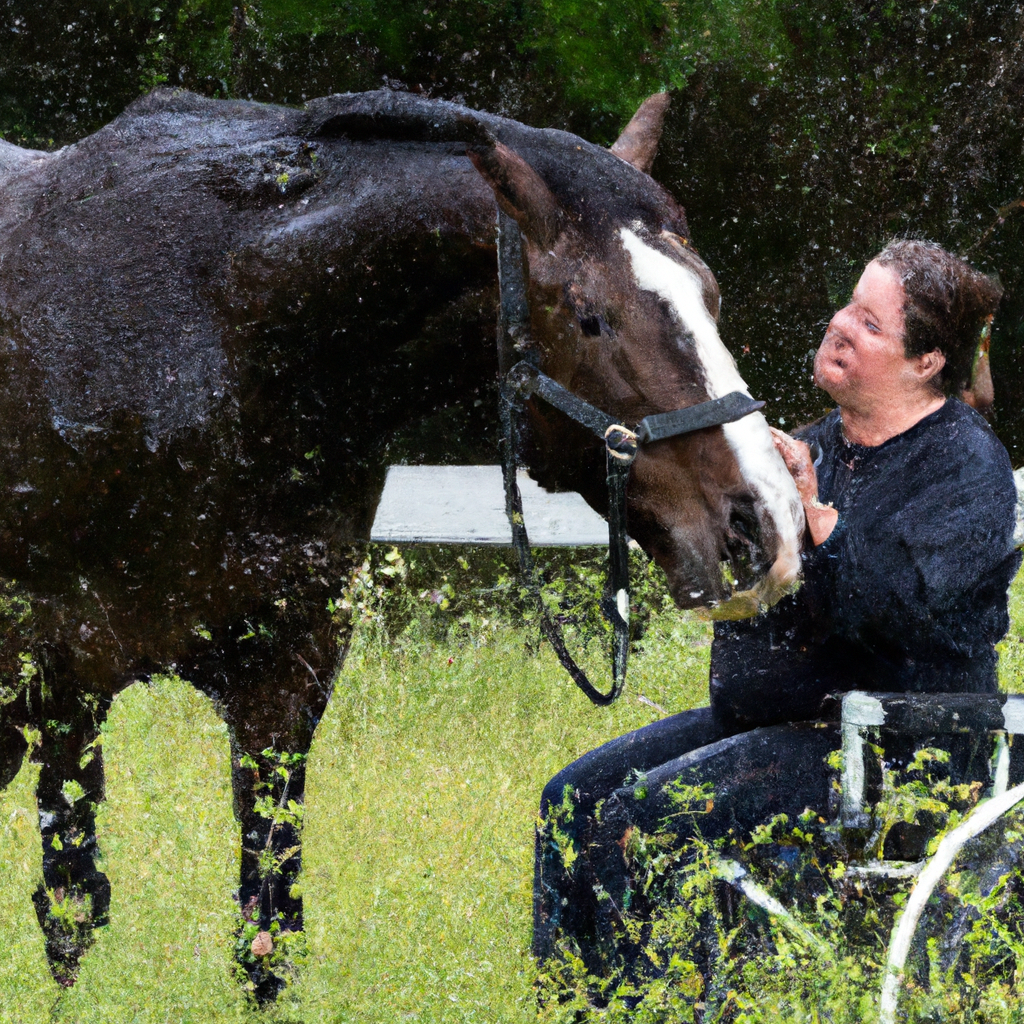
x=922 y=571
x=907 y=593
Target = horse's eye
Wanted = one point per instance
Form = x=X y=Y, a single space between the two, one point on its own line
x=590 y=325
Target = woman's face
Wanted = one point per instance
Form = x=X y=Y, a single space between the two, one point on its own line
x=862 y=355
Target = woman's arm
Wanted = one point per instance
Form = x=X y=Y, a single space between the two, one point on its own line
x=821 y=519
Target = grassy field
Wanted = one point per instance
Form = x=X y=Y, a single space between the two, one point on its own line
x=422 y=792
x=421 y=798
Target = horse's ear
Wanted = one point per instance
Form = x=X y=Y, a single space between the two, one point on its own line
x=638 y=143
x=520 y=191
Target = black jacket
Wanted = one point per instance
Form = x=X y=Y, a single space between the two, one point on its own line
x=908 y=593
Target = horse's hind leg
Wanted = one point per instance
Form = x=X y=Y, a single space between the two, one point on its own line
x=269 y=789
x=75 y=895
x=268 y=778
x=12 y=751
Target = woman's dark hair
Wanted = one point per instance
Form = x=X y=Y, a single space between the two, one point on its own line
x=948 y=305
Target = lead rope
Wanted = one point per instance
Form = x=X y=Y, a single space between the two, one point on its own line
x=614 y=604
x=620 y=450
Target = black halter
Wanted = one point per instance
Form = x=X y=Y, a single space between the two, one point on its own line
x=523 y=381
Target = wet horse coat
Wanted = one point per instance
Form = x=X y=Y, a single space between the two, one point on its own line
x=216 y=314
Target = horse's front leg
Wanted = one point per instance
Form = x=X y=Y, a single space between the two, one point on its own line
x=269 y=786
x=272 y=701
x=75 y=895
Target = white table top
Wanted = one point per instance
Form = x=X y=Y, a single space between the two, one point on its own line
x=466 y=505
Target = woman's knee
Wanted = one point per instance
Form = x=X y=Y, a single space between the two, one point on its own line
x=601 y=771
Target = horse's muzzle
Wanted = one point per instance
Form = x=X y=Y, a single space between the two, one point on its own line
x=735 y=570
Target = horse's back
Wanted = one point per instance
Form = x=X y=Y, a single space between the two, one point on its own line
x=147 y=248
x=197 y=304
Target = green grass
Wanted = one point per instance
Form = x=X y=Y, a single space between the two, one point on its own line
x=421 y=803
x=1011 y=650
x=26 y=989
x=170 y=847
x=421 y=798
x=422 y=792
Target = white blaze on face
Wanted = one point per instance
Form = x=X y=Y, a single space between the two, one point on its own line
x=761 y=465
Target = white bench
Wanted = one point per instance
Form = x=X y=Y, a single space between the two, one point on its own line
x=466 y=505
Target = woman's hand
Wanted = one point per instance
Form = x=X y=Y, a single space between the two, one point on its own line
x=821 y=519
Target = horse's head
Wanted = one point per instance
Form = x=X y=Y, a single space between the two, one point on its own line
x=624 y=315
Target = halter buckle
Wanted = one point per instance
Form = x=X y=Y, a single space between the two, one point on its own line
x=621 y=442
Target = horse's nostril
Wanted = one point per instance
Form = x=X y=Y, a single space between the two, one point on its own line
x=743 y=520
x=743 y=542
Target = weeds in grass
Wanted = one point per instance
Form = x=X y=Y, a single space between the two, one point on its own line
x=912 y=795
x=429 y=595
x=810 y=940
x=269 y=948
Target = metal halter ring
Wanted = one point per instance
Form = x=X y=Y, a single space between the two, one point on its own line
x=621 y=442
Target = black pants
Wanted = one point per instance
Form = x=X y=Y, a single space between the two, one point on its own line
x=743 y=696
x=599 y=772
x=762 y=673
x=557 y=903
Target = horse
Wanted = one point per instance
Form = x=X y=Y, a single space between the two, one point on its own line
x=215 y=315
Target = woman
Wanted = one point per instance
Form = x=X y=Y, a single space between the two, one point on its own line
x=910 y=505
x=910 y=509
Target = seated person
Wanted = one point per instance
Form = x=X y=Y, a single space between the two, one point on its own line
x=910 y=505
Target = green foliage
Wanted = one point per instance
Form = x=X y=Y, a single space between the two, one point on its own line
x=914 y=794
x=597 y=59
x=611 y=56
x=72 y=791
x=273 y=770
x=288 y=954
x=196 y=33
x=464 y=596
x=553 y=831
x=70 y=913
x=602 y=57
x=820 y=953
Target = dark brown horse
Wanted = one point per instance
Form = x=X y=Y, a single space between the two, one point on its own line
x=214 y=316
